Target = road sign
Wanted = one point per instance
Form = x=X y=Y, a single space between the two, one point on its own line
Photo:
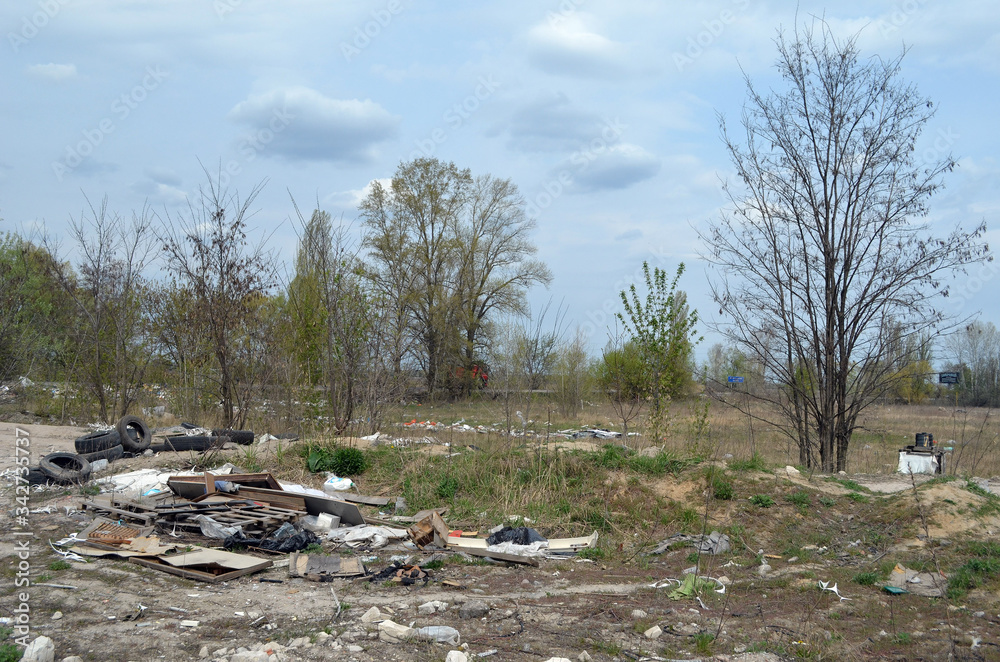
x=734 y=379
x=948 y=377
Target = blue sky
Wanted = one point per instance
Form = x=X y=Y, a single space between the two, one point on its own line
x=603 y=113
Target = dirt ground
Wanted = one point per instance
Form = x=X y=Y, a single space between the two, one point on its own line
x=602 y=608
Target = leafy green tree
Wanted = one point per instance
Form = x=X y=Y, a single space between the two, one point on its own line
x=448 y=252
x=662 y=329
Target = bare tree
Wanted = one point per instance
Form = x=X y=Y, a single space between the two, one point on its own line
x=496 y=267
x=209 y=254
x=109 y=291
x=823 y=250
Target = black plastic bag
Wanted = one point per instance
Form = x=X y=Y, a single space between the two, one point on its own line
x=286 y=545
x=521 y=535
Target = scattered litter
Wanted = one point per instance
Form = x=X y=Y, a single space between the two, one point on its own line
x=925 y=584
x=336 y=484
x=825 y=586
x=366 y=536
x=713 y=543
x=441 y=634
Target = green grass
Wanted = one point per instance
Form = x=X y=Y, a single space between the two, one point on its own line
x=762 y=500
x=849 y=484
x=981 y=568
x=857 y=497
x=755 y=463
x=59 y=565
x=703 y=642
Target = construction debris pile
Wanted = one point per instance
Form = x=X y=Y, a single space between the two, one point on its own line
x=218 y=525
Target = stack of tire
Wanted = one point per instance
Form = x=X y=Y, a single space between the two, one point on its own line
x=130 y=436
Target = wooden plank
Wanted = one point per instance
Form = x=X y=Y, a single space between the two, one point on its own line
x=362 y=499
x=274 y=497
x=314 y=505
x=145 y=518
x=500 y=556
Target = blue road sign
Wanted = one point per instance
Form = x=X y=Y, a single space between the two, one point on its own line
x=735 y=379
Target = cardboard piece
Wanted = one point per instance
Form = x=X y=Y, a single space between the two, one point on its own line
x=138 y=547
x=323 y=568
x=206 y=565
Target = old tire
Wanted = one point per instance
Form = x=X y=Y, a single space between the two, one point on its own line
x=194 y=443
x=97 y=441
x=36 y=477
x=112 y=454
x=134 y=433
x=65 y=468
x=242 y=437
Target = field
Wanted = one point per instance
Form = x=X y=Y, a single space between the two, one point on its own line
x=791 y=533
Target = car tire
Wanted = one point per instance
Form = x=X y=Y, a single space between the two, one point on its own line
x=97 y=441
x=134 y=433
x=65 y=468
x=112 y=454
x=193 y=443
x=242 y=437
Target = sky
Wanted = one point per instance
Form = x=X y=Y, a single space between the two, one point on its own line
x=604 y=113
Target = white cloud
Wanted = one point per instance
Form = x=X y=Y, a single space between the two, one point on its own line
x=350 y=199
x=569 y=47
x=52 y=71
x=300 y=123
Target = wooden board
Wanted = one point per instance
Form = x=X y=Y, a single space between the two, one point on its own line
x=500 y=556
x=360 y=498
x=279 y=498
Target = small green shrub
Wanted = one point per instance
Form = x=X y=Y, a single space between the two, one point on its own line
x=447 y=488
x=762 y=500
x=857 y=498
x=341 y=461
x=722 y=489
x=800 y=499
x=59 y=565
x=866 y=578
